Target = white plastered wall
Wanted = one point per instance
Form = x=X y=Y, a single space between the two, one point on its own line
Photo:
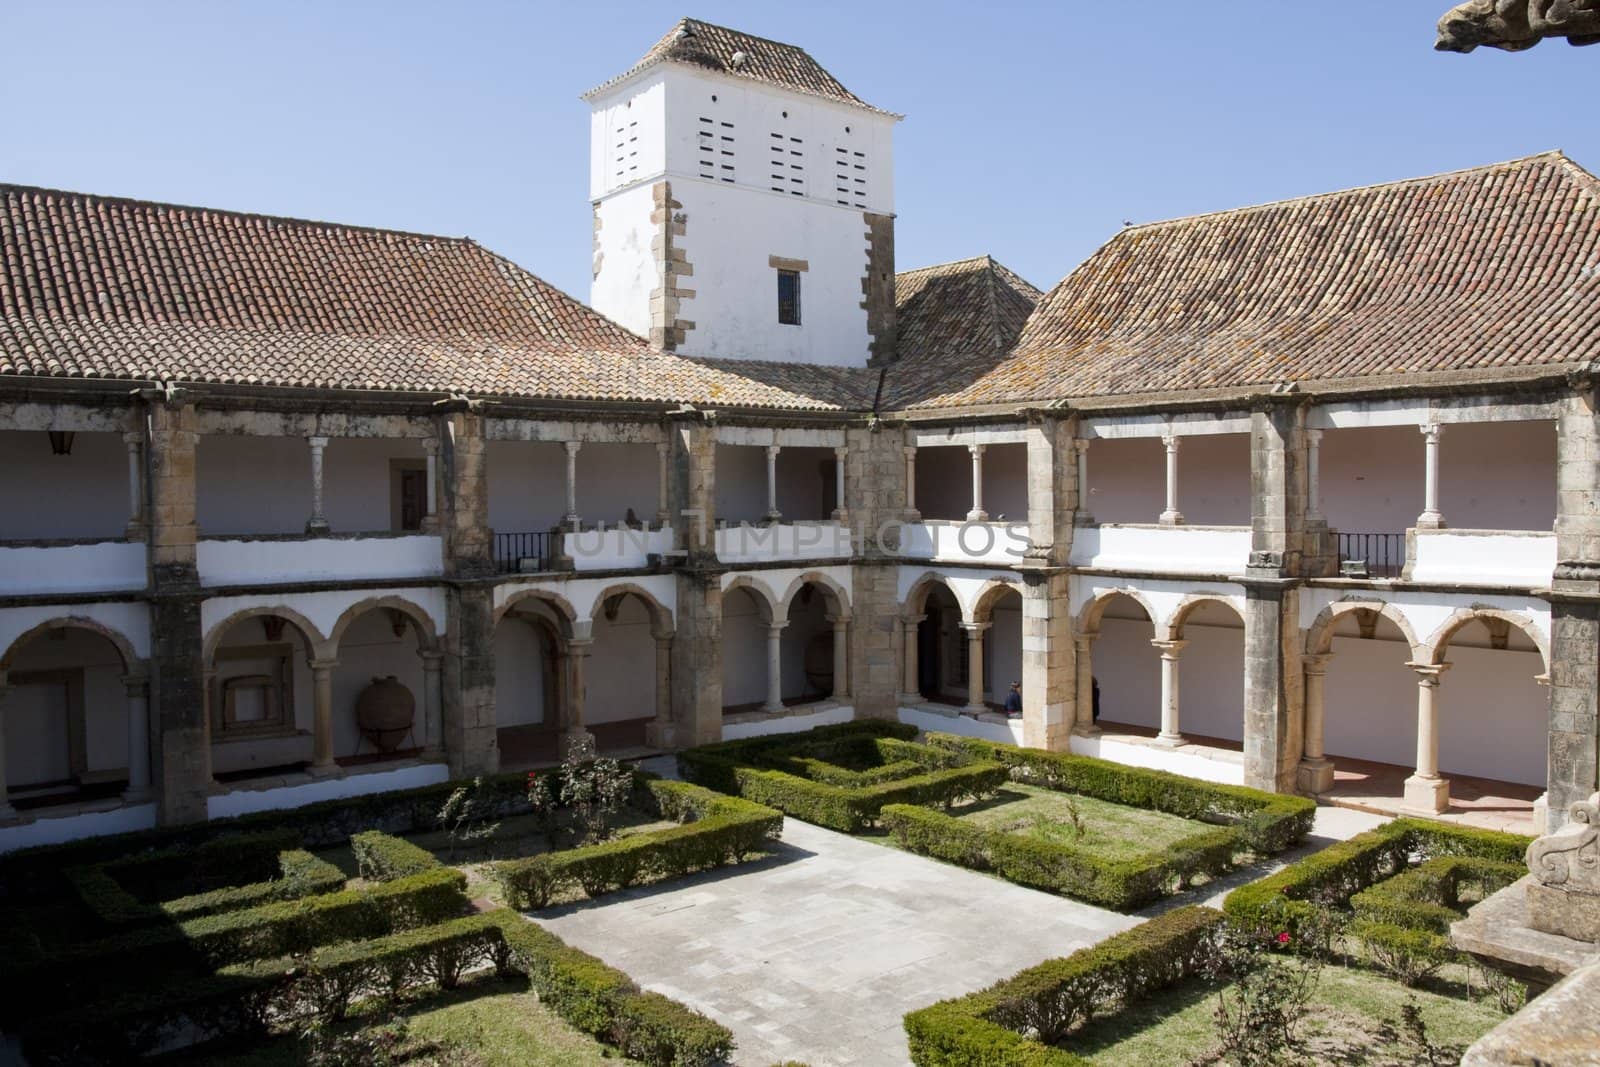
x=262 y=485
x=87 y=490
x=36 y=713
x=1127 y=479
x=621 y=675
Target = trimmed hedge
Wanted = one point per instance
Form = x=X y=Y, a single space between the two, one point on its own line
x=1427 y=897
x=300 y=875
x=992 y=1027
x=1331 y=877
x=750 y=769
x=383 y=858
x=1063 y=868
x=1266 y=822
x=605 y=1003
x=716 y=830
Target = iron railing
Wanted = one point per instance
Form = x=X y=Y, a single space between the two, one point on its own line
x=1382 y=554
x=521 y=552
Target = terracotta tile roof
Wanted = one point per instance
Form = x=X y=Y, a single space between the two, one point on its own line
x=954 y=322
x=1491 y=269
x=742 y=55
x=92 y=287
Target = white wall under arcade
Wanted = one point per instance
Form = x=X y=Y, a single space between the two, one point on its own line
x=62 y=682
x=1128 y=483
x=86 y=490
x=620 y=679
x=944 y=482
x=262 y=485
x=521 y=667
x=744 y=649
x=528 y=484
x=1210 y=671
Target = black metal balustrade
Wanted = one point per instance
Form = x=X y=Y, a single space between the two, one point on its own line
x=522 y=552
x=1382 y=555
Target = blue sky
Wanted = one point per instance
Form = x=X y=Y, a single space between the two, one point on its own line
x=1032 y=130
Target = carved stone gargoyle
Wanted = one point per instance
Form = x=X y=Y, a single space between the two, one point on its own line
x=1564 y=896
x=1514 y=25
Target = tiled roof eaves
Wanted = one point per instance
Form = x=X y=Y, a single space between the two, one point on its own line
x=735 y=77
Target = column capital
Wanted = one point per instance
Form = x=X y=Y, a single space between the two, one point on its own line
x=773 y=450
x=911 y=620
x=579 y=646
x=976 y=628
x=1083 y=642
x=1080 y=445
x=1317 y=663
x=432 y=661
x=1313 y=436
x=838 y=620
x=136 y=685
x=776 y=628
x=1169 y=649
x=1428 y=674
x=323 y=664
x=317 y=442
x=841 y=451
x=133 y=438
x=1171 y=441
x=663 y=447
x=909 y=451
x=977 y=449
x=1432 y=430
x=663 y=635
x=430 y=446
x=572 y=447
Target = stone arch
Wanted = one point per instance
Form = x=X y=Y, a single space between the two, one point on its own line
x=660 y=618
x=916 y=600
x=1434 y=650
x=1188 y=604
x=559 y=608
x=427 y=634
x=1088 y=621
x=1319 y=638
x=988 y=595
x=760 y=593
x=316 y=644
x=131 y=663
x=837 y=597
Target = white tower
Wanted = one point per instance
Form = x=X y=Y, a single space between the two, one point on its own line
x=743 y=203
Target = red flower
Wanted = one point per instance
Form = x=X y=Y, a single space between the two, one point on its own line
x=1283 y=938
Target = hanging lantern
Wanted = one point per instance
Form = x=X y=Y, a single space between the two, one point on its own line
x=61 y=441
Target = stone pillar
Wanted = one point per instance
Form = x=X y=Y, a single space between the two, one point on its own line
x=1083 y=517
x=7 y=812
x=841 y=656
x=840 y=512
x=977 y=514
x=318 y=523
x=697 y=659
x=1314 y=475
x=912 y=514
x=430 y=449
x=664 y=482
x=432 y=703
x=694 y=469
x=573 y=730
x=975 y=693
x=1171 y=733
x=1171 y=516
x=876 y=502
x=1575 y=610
x=660 y=733
x=1049 y=672
x=469 y=731
x=774 y=667
x=1426 y=791
x=570 y=519
x=1083 y=652
x=1053 y=493
x=1431 y=519
x=773 y=514
x=910 y=679
x=322 y=716
x=138 y=690
x=134 y=441
x=1316 y=770
x=183 y=755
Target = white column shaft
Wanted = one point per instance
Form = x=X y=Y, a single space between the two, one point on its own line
x=1171 y=728
x=138 y=740
x=571 y=517
x=841 y=659
x=774 y=668
x=977 y=514
x=773 y=515
x=135 y=478
x=911 y=478
x=433 y=702
x=838 y=482
x=663 y=483
x=1172 y=516
x=976 y=701
x=1313 y=474
x=1316 y=676
x=1431 y=516
x=322 y=716
x=319 y=520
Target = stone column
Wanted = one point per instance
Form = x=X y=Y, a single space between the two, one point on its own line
x=432 y=703
x=660 y=732
x=773 y=514
x=7 y=812
x=138 y=690
x=841 y=656
x=910 y=677
x=318 y=523
x=1083 y=650
x=1170 y=732
x=1574 y=719
x=322 y=717
x=697 y=659
x=136 y=518
x=1426 y=791
x=1431 y=519
x=470 y=739
x=975 y=694
x=1081 y=447
x=430 y=449
x=1172 y=516
x=912 y=514
x=664 y=483
x=1316 y=770
x=570 y=519
x=1313 y=475
x=977 y=514
x=774 y=667
x=572 y=727
x=840 y=513
x=1049 y=665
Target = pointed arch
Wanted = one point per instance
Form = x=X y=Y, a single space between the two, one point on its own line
x=1319 y=638
x=427 y=634
x=131 y=663
x=1190 y=603
x=661 y=620
x=758 y=592
x=1088 y=621
x=1434 y=650
x=989 y=594
x=557 y=606
x=838 y=597
x=916 y=600
x=316 y=644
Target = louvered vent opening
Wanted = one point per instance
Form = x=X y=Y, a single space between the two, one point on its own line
x=787 y=166
x=626 y=157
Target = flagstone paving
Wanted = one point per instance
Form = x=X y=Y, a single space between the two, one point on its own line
x=816 y=953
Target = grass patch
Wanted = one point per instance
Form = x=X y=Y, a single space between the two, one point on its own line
x=1354 y=1019
x=1112 y=831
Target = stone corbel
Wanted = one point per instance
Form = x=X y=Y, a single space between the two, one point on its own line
x=1570 y=857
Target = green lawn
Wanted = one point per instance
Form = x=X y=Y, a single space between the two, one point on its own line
x=1114 y=831
x=488 y=1024
x=1354 y=1020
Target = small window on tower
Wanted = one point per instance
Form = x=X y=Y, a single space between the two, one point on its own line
x=789 y=297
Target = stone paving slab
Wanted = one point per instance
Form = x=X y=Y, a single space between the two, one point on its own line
x=816 y=953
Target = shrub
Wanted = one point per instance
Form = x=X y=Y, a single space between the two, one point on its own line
x=715 y=830
x=301 y=875
x=382 y=858
x=1059 y=867
x=467 y=815
x=1010 y=1023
